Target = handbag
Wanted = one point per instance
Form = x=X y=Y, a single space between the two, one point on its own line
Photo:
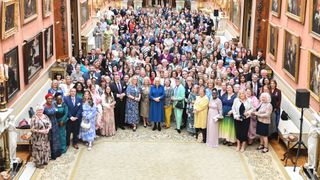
x=84 y=124
x=179 y=104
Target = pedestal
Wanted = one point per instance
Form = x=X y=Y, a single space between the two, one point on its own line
x=222 y=25
x=179 y=4
x=137 y=4
x=194 y=5
x=124 y=4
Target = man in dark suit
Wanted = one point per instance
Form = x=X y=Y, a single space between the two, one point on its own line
x=118 y=89
x=92 y=74
x=255 y=85
x=74 y=117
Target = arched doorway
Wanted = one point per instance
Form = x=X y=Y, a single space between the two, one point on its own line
x=154 y=3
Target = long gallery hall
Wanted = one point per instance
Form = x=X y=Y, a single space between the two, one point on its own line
x=159 y=89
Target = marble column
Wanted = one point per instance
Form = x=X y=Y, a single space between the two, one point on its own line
x=179 y=4
x=137 y=4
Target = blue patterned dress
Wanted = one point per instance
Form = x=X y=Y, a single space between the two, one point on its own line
x=54 y=134
x=88 y=115
x=132 y=106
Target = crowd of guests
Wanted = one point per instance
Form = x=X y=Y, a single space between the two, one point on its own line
x=163 y=66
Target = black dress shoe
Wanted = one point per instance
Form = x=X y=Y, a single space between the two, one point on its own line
x=154 y=128
x=159 y=128
x=179 y=131
x=122 y=128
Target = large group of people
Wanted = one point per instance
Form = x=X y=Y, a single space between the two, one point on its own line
x=162 y=66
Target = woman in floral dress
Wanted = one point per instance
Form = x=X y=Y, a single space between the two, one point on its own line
x=40 y=126
x=132 y=104
x=89 y=111
x=190 y=113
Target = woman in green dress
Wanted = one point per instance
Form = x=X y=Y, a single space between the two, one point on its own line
x=62 y=117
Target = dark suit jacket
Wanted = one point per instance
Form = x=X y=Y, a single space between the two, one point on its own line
x=86 y=76
x=115 y=90
x=75 y=111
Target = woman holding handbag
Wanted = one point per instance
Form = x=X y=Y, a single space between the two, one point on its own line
x=178 y=102
x=214 y=115
x=88 y=123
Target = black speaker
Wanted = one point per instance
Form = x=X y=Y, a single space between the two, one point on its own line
x=216 y=12
x=302 y=98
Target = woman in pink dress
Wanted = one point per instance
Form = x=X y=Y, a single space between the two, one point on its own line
x=108 y=104
x=253 y=119
x=214 y=114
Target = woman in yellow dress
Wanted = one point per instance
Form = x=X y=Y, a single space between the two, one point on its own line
x=201 y=113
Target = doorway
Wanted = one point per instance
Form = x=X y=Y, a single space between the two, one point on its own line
x=74 y=28
x=246 y=28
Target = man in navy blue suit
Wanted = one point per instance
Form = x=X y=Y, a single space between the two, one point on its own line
x=74 y=117
x=92 y=74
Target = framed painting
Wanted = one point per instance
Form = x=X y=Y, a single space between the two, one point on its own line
x=295 y=9
x=11 y=59
x=291 y=55
x=29 y=10
x=32 y=57
x=235 y=13
x=48 y=42
x=276 y=7
x=46 y=8
x=273 y=41
x=84 y=13
x=314 y=74
x=9 y=21
x=315 y=18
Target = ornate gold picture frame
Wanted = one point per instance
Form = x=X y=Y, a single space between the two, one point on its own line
x=315 y=19
x=296 y=9
x=29 y=10
x=9 y=21
x=314 y=74
x=46 y=8
x=275 y=6
x=291 y=55
x=272 y=48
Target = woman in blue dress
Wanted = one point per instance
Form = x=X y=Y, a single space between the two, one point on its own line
x=89 y=110
x=227 y=129
x=54 y=134
x=157 y=96
x=132 y=105
x=62 y=118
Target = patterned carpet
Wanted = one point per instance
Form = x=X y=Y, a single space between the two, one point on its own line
x=161 y=155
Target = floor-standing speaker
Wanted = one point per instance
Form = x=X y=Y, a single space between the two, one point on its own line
x=302 y=98
x=216 y=12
